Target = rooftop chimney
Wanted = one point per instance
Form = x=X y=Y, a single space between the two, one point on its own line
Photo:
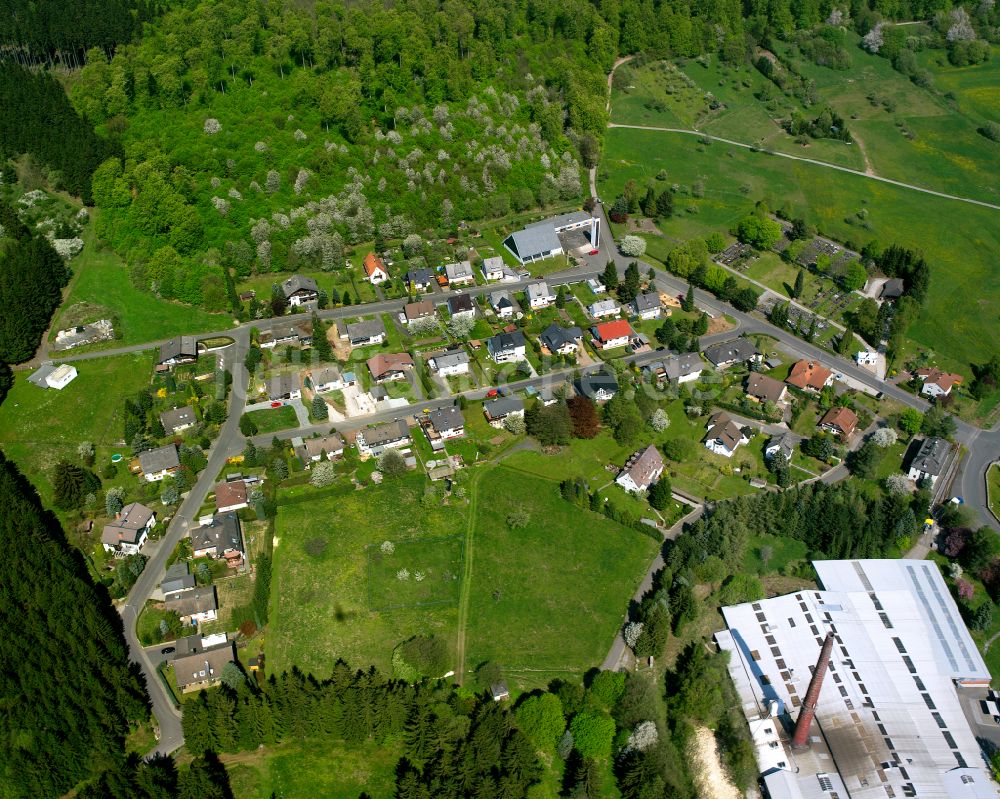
x=800 y=740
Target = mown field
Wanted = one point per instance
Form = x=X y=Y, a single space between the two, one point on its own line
x=958 y=324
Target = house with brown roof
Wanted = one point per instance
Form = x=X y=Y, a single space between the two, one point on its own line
x=203 y=669
x=193 y=605
x=375 y=269
x=641 y=470
x=841 y=421
x=809 y=376
x=724 y=435
x=230 y=496
x=126 y=534
x=313 y=449
x=413 y=311
x=936 y=382
x=386 y=367
x=765 y=389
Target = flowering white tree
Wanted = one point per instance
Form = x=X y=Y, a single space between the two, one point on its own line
x=403 y=575
x=874 y=39
x=632 y=632
x=114 y=500
x=659 y=421
x=961 y=29
x=836 y=18
x=427 y=326
x=273 y=181
x=884 y=437
x=299 y=135
x=387 y=547
x=460 y=326
x=212 y=126
x=412 y=245
x=300 y=180
x=897 y=484
x=643 y=737
x=514 y=423
x=633 y=246
x=323 y=474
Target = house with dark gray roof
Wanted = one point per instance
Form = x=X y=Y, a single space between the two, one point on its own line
x=390 y=435
x=646 y=306
x=506 y=347
x=598 y=386
x=365 y=332
x=724 y=435
x=182 y=349
x=726 y=353
x=444 y=423
x=499 y=409
x=561 y=340
x=177 y=578
x=158 y=463
x=127 y=532
x=220 y=538
x=193 y=605
x=461 y=305
x=929 y=462
x=420 y=279
x=892 y=289
x=493 y=268
x=283 y=387
x=449 y=362
x=286 y=333
x=682 y=368
x=203 y=669
x=178 y=419
x=299 y=289
x=782 y=445
x=501 y=303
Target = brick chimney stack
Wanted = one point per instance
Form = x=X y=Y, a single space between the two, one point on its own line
x=800 y=739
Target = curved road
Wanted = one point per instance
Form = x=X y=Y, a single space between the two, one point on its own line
x=813 y=161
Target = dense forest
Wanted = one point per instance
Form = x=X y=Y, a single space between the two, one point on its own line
x=31 y=279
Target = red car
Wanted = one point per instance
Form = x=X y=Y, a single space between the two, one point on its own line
x=595 y=252
x=276 y=404
x=492 y=393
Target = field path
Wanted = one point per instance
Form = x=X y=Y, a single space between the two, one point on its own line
x=869 y=169
x=463 y=601
x=899 y=183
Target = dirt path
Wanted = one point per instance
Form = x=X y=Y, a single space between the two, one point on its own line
x=463 y=602
x=611 y=76
x=711 y=778
x=869 y=169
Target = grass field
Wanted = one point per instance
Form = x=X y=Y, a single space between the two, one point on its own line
x=102 y=282
x=317 y=768
x=271 y=420
x=320 y=590
x=432 y=567
x=40 y=426
x=993 y=487
x=976 y=88
x=547 y=599
x=959 y=240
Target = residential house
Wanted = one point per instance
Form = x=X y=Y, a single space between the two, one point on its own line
x=493 y=268
x=724 y=435
x=499 y=691
x=540 y=295
x=499 y=409
x=413 y=311
x=420 y=279
x=313 y=449
x=782 y=445
x=929 y=462
x=598 y=386
x=283 y=387
x=449 y=362
x=866 y=358
x=603 y=308
x=766 y=389
x=126 y=534
x=178 y=419
x=230 y=496
x=647 y=306
x=444 y=423
x=609 y=335
x=541 y=240
x=375 y=269
x=221 y=538
x=203 y=669
x=61 y=376
x=936 y=382
x=286 y=334
x=502 y=304
x=841 y=421
x=177 y=578
x=326 y=379
x=507 y=347
x=378 y=393
x=299 y=290
x=727 y=353
x=562 y=340
x=460 y=274
x=641 y=470
x=390 y=435
x=365 y=332
x=156 y=464
x=809 y=376
x=683 y=368
x=193 y=605
x=386 y=367
x=462 y=305
x=892 y=289
x=182 y=349
x=596 y=286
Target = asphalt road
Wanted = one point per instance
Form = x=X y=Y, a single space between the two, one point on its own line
x=983 y=446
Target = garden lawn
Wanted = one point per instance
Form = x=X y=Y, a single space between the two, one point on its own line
x=993 y=487
x=546 y=599
x=316 y=768
x=40 y=426
x=271 y=420
x=957 y=239
x=320 y=607
x=782 y=552
x=101 y=279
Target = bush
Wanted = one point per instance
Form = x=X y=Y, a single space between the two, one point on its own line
x=593 y=734
x=633 y=246
x=420 y=656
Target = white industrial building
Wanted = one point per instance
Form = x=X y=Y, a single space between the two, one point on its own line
x=884 y=719
x=541 y=240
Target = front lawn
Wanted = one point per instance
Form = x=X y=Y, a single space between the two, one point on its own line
x=271 y=420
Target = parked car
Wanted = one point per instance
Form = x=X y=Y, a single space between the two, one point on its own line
x=492 y=393
x=595 y=252
x=167 y=650
x=276 y=404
